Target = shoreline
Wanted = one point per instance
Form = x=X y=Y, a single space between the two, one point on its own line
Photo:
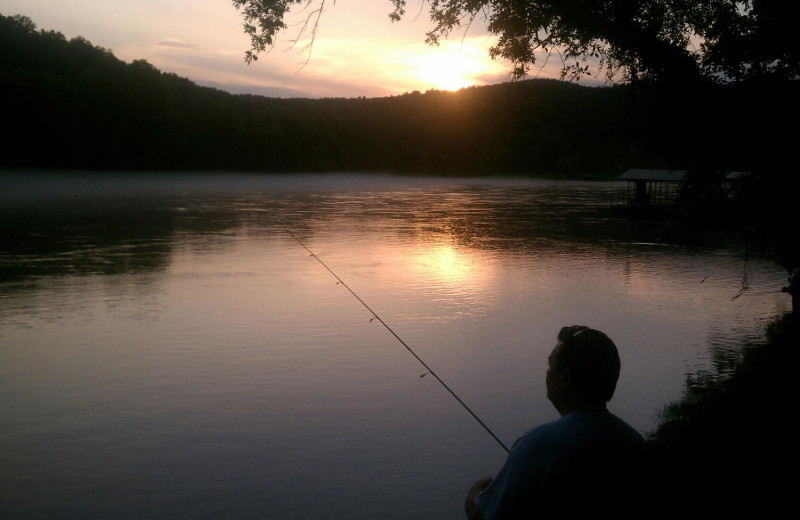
x=716 y=452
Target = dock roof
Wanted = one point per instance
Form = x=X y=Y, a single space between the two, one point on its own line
x=736 y=175
x=642 y=174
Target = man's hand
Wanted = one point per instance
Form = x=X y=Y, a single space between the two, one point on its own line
x=470 y=507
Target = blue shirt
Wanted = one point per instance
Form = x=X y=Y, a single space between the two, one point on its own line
x=584 y=463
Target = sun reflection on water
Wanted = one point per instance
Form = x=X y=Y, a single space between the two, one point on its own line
x=445 y=263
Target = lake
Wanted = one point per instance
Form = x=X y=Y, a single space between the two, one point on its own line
x=169 y=350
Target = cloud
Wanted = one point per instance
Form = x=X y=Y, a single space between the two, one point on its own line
x=257 y=90
x=271 y=78
x=177 y=44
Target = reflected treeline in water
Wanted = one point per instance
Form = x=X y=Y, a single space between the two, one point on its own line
x=84 y=237
x=535 y=217
x=57 y=224
x=727 y=347
x=81 y=234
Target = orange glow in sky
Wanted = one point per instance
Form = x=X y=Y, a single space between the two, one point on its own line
x=454 y=67
x=358 y=51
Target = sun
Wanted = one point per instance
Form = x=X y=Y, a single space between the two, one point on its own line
x=450 y=69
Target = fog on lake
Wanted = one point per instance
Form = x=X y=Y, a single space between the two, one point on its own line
x=168 y=350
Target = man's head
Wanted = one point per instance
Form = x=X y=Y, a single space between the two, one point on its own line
x=584 y=368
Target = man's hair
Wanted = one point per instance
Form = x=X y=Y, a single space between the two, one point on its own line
x=592 y=359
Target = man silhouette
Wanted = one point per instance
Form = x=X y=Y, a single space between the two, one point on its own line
x=589 y=463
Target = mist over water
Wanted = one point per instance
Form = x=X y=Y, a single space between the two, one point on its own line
x=168 y=350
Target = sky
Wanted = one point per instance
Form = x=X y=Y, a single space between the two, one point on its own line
x=357 y=52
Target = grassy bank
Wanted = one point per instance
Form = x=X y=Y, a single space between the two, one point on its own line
x=726 y=450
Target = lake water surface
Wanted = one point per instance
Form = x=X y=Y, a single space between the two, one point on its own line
x=168 y=350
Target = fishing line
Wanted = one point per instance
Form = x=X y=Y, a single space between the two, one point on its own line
x=376 y=317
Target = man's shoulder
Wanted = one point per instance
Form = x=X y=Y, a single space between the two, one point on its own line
x=544 y=431
x=545 y=436
x=578 y=428
x=626 y=429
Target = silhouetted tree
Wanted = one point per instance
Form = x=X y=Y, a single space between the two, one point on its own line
x=624 y=39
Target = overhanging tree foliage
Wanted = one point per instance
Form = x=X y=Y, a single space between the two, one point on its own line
x=622 y=40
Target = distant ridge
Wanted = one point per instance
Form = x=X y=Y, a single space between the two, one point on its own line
x=72 y=105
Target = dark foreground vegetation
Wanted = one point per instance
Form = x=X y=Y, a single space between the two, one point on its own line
x=727 y=449
x=68 y=104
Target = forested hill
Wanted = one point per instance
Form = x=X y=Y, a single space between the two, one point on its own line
x=69 y=104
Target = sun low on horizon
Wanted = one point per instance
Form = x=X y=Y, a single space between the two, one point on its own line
x=359 y=45
x=357 y=51
x=445 y=73
x=455 y=66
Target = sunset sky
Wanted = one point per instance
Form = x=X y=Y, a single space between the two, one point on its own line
x=358 y=50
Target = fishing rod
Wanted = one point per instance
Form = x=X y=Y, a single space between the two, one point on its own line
x=380 y=320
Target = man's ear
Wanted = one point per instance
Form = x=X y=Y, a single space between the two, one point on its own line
x=565 y=378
